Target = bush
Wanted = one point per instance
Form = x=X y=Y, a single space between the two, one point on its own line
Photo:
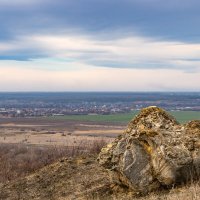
x=18 y=160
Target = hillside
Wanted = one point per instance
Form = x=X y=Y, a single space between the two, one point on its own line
x=81 y=178
x=155 y=150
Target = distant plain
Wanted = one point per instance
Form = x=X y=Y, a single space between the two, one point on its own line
x=71 y=130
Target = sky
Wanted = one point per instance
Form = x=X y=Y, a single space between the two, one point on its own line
x=99 y=45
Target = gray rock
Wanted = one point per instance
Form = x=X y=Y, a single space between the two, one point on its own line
x=154 y=150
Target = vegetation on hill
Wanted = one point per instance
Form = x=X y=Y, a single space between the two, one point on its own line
x=81 y=178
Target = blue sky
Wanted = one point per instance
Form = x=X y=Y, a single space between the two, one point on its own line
x=99 y=45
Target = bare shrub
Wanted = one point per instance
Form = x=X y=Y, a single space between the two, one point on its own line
x=97 y=146
x=18 y=160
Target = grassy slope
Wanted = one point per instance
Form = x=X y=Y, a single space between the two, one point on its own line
x=82 y=178
x=181 y=116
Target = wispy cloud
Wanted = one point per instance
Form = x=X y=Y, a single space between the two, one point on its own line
x=130 y=52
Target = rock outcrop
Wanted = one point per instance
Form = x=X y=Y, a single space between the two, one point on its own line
x=154 y=150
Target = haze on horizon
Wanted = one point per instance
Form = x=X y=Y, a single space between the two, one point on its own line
x=99 y=45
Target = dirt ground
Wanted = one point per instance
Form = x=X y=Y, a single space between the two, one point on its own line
x=82 y=178
x=35 y=131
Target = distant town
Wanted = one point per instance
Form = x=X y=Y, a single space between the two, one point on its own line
x=34 y=105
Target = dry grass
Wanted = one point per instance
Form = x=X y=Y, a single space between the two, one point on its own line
x=188 y=192
x=62 y=173
x=18 y=160
x=82 y=178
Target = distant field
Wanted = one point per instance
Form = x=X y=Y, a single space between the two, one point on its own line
x=181 y=116
x=184 y=116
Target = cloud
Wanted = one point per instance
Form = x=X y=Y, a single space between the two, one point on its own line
x=70 y=41
x=169 y=20
x=129 y=52
x=86 y=78
x=19 y=2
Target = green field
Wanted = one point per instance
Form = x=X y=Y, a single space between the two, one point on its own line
x=181 y=116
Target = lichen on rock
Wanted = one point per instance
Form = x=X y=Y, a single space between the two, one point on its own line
x=154 y=150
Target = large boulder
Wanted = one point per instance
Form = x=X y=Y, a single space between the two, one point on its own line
x=154 y=150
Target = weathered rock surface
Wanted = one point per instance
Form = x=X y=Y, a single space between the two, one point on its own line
x=154 y=150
